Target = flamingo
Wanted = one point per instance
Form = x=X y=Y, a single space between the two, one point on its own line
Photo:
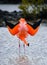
x=22 y=29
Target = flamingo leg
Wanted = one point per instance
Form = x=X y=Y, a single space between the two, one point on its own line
x=19 y=48
x=24 y=49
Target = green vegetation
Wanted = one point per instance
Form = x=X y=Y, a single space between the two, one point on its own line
x=31 y=7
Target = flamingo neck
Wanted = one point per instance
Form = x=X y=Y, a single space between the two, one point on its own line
x=23 y=26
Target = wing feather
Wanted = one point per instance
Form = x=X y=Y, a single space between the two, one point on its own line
x=36 y=24
x=13 y=29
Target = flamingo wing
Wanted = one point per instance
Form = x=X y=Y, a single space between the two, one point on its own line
x=13 y=29
x=32 y=29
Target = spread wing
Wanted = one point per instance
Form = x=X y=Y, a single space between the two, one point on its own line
x=32 y=29
x=13 y=29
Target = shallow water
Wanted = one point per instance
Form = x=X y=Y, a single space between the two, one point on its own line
x=22 y=60
x=9 y=7
x=35 y=54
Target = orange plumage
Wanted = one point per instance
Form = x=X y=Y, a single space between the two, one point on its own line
x=22 y=30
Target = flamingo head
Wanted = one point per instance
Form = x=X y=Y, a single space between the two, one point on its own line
x=22 y=21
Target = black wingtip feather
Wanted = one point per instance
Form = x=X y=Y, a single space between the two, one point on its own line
x=10 y=24
x=35 y=25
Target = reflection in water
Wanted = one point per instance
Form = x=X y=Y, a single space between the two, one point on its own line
x=22 y=60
